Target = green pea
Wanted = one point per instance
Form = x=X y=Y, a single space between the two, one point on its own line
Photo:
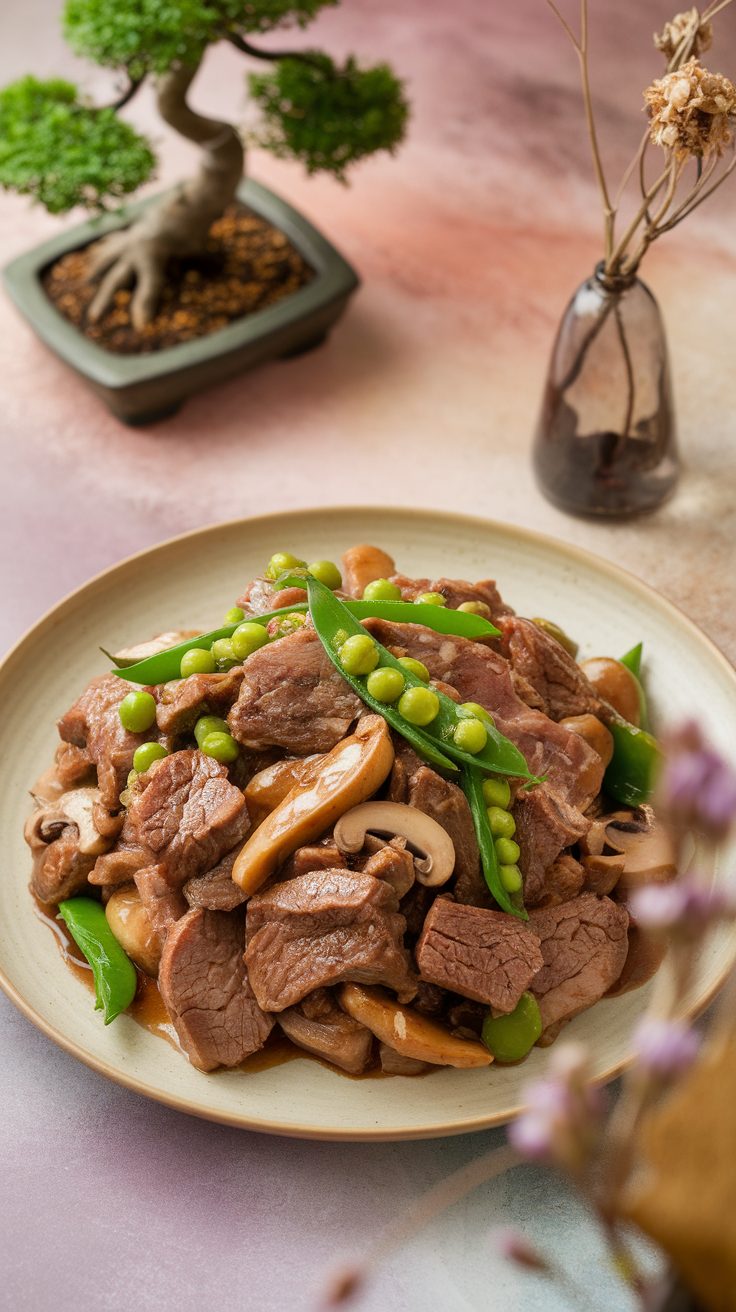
x=386 y=685
x=248 y=638
x=234 y=615
x=419 y=706
x=208 y=724
x=325 y=572
x=507 y=851
x=476 y=709
x=145 y=755
x=359 y=654
x=470 y=736
x=198 y=660
x=502 y=822
x=476 y=608
x=281 y=561
x=288 y=625
x=430 y=599
x=511 y=878
x=511 y=1037
x=224 y=653
x=496 y=792
x=415 y=667
x=221 y=746
x=339 y=638
x=137 y=712
x=381 y=590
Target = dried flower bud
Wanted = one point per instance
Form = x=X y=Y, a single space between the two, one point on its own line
x=344 y=1286
x=691 y=111
x=697 y=789
x=682 y=26
x=665 y=1048
x=561 y=1121
x=516 y=1247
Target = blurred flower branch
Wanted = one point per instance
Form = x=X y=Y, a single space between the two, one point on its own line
x=691 y=119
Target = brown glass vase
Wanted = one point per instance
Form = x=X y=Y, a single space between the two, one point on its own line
x=606 y=442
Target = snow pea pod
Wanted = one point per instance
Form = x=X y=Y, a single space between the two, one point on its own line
x=166 y=665
x=635 y=764
x=331 y=616
x=114 y=972
x=471 y=782
x=632 y=661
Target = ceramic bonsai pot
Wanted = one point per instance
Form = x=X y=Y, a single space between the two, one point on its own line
x=139 y=389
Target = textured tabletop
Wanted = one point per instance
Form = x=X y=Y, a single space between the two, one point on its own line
x=469 y=244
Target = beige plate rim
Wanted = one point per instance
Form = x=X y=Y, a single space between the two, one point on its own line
x=307 y=1131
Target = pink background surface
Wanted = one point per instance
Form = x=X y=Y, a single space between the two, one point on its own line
x=469 y=243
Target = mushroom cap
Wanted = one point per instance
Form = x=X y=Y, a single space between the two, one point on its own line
x=434 y=853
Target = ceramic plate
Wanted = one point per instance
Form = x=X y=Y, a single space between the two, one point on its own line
x=193 y=580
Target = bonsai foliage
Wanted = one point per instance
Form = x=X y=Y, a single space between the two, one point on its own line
x=65 y=152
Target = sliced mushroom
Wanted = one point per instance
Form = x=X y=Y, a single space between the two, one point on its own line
x=129 y=921
x=434 y=859
x=75 y=807
x=270 y=786
x=407 y=1032
x=350 y=773
x=646 y=845
x=616 y=684
x=362 y=565
x=396 y=1063
x=602 y=873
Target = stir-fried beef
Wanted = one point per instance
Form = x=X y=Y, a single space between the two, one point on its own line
x=563 y=880
x=319 y=1026
x=187 y=817
x=123 y=863
x=293 y=697
x=323 y=928
x=430 y=999
x=485 y=955
x=259 y=597
x=414 y=906
x=163 y=898
x=204 y=985
x=59 y=868
x=393 y=863
x=553 y=820
x=93 y=725
x=406 y=763
x=551 y=671
x=545 y=825
x=584 y=946
x=73 y=764
x=447 y=804
x=216 y=890
x=179 y=705
x=455 y=592
x=317 y=856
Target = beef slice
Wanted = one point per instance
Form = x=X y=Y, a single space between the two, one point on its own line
x=216 y=890
x=320 y=929
x=488 y=956
x=93 y=725
x=180 y=704
x=293 y=697
x=447 y=804
x=584 y=944
x=204 y=985
x=550 y=670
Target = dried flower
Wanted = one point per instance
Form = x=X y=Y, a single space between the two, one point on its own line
x=561 y=1121
x=698 y=788
x=691 y=111
x=665 y=1048
x=681 y=27
x=344 y=1286
x=516 y=1247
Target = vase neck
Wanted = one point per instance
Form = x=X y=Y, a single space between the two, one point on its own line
x=615 y=283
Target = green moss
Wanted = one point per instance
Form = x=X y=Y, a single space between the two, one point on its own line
x=329 y=118
x=63 y=153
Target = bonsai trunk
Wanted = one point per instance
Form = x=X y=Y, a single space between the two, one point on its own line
x=179 y=225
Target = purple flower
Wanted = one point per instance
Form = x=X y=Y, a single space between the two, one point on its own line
x=665 y=1048
x=698 y=788
x=561 y=1119
x=687 y=906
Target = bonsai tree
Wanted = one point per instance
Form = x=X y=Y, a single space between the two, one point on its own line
x=64 y=152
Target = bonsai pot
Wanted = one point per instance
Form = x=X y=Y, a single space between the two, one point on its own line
x=142 y=388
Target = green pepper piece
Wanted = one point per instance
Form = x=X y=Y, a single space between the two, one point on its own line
x=471 y=782
x=632 y=661
x=114 y=972
x=166 y=665
x=330 y=615
x=635 y=764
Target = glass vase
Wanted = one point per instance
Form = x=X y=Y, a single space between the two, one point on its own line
x=606 y=441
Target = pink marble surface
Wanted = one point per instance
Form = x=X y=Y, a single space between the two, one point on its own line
x=469 y=244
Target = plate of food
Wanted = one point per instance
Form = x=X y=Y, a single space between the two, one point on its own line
x=343 y=847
